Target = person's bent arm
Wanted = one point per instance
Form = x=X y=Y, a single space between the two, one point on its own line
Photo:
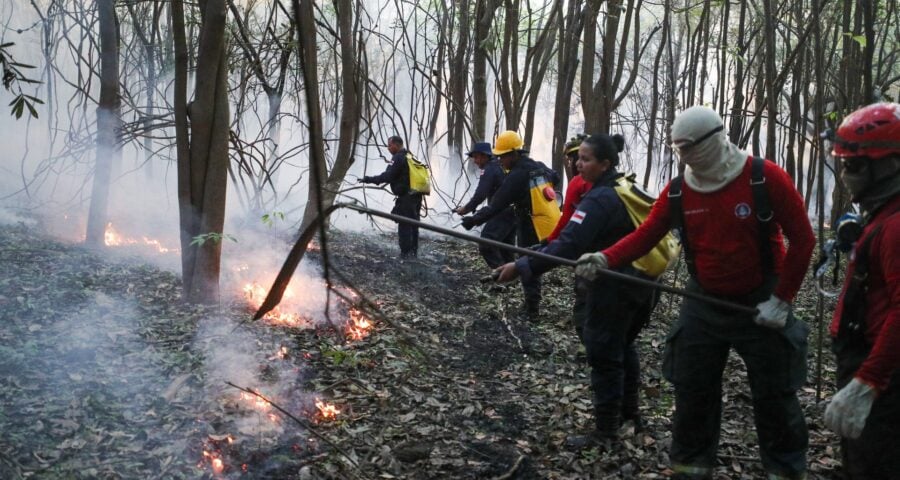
x=884 y=359
x=388 y=176
x=594 y=216
x=790 y=212
x=486 y=183
x=515 y=182
x=637 y=243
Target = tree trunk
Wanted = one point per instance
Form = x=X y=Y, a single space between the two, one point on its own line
x=771 y=99
x=322 y=190
x=109 y=122
x=458 y=81
x=187 y=212
x=570 y=28
x=654 y=101
x=484 y=13
x=736 y=126
x=208 y=169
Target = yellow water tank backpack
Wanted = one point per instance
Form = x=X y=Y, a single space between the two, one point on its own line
x=419 y=179
x=544 y=207
x=638 y=203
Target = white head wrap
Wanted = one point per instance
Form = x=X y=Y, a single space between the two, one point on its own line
x=711 y=160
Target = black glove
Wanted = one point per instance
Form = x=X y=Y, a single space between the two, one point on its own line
x=365 y=180
x=468 y=222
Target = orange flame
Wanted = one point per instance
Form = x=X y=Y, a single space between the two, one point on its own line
x=215 y=462
x=359 y=326
x=255 y=294
x=327 y=410
x=256 y=401
x=112 y=238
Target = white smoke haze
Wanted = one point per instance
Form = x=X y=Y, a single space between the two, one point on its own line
x=235 y=354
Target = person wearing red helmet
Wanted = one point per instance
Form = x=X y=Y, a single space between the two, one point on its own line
x=865 y=328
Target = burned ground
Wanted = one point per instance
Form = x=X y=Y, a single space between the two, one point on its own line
x=104 y=375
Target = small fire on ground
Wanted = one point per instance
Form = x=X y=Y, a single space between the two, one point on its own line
x=328 y=411
x=357 y=327
x=217 y=449
x=112 y=238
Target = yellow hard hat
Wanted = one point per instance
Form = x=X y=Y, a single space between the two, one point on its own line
x=507 y=141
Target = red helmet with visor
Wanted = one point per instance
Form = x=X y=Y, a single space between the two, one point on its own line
x=872 y=131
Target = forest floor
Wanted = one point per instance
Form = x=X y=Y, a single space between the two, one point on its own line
x=105 y=374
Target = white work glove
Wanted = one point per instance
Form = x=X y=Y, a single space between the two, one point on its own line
x=590 y=264
x=847 y=413
x=773 y=313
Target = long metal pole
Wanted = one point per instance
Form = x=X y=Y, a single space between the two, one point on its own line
x=551 y=258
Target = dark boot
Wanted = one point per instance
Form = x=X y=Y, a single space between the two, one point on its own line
x=595 y=439
x=630 y=411
x=607 y=422
x=532 y=309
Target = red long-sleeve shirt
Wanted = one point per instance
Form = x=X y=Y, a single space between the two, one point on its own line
x=882 y=299
x=723 y=234
x=577 y=189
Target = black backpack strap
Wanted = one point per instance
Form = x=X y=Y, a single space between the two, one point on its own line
x=764 y=214
x=851 y=331
x=676 y=220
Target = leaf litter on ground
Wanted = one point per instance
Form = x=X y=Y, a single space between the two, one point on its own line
x=107 y=374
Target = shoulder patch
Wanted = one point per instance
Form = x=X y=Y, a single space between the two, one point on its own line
x=578 y=216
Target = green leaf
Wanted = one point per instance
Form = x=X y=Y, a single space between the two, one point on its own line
x=860 y=39
x=31 y=110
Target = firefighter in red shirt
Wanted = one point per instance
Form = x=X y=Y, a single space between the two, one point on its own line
x=731 y=210
x=865 y=412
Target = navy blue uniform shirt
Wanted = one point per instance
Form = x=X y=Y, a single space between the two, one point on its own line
x=492 y=177
x=599 y=222
x=397 y=174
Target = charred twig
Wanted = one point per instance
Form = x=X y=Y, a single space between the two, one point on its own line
x=512 y=470
x=305 y=424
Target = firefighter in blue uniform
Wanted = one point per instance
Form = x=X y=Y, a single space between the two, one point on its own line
x=502 y=227
x=408 y=202
x=515 y=192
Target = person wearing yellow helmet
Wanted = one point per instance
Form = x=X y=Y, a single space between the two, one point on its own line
x=516 y=192
x=502 y=227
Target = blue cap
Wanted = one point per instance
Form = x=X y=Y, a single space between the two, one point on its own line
x=481 y=147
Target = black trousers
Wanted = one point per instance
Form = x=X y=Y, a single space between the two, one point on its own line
x=875 y=455
x=531 y=288
x=408 y=206
x=501 y=228
x=614 y=315
x=696 y=353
